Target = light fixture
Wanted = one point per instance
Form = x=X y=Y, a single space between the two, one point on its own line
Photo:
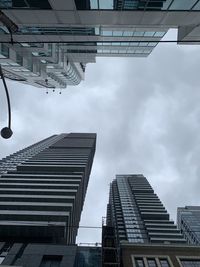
x=6 y=132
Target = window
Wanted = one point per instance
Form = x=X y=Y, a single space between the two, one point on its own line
x=182 y=5
x=139 y=262
x=1 y=259
x=132 y=5
x=88 y=256
x=197 y=6
x=37 y=4
x=4 y=51
x=151 y=263
x=190 y=263
x=138 y=34
x=51 y=261
x=164 y=263
x=159 y=34
x=19 y=59
x=57 y=30
x=149 y=34
x=117 y=33
x=30 y=64
x=4 y=251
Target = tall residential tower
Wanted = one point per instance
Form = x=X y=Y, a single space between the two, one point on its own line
x=137 y=214
x=43 y=187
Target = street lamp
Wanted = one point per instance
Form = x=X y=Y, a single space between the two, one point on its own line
x=6 y=132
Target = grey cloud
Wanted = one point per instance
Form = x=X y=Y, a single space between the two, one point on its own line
x=147 y=117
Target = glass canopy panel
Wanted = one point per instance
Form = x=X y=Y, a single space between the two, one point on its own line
x=182 y=5
x=159 y=34
x=105 y=4
x=149 y=34
x=166 y=4
x=197 y=6
x=94 y=4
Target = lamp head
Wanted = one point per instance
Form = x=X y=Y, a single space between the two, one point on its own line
x=6 y=132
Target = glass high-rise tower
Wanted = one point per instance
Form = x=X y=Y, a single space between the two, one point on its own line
x=43 y=187
x=55 y=39
x=188 y=220
x=137 y=214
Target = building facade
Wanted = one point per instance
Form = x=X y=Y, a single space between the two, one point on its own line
x=55 y=39
x=42 y=191
x=188 y=220
x=137 y=214
x=159 y=255
x=50 y=255
x=41 y=65
x=43 y=187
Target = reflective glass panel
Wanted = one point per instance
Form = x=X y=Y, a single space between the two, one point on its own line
x=4 y=51
x=28 y=4
x=106 y=4
x=151 y=263
x=139 y=262
x=197 y=6
x=190 y=263
x=164 y=263
x=182 y=5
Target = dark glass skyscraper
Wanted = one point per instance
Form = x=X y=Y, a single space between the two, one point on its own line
x=43 y=187
x=137 y=214
x=188 y=220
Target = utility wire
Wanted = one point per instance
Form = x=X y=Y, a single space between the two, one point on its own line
x=143 y=230
x=99 y=227
x=107 y=41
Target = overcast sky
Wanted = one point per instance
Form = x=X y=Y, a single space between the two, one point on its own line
x=146 y=113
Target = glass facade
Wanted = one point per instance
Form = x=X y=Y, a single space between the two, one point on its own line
x=149 y=5
x=51 y=261
x=130 y=213
x=131 y=33
x=19 y=59
x=88 y=257
x=25 y=4
x=33 y=45
x=108 y=4
x=189 y=223
x=138 y=215
x=57 y=30
x=90 y=31
x=190 y=263
x=121 y=44
x=4 y=51
x=42 y=65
